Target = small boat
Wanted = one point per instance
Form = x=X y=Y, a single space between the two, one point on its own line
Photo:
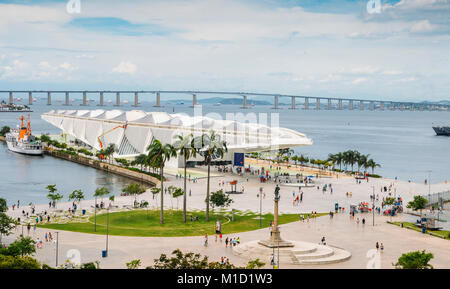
x=22 y=141
x=442 y=130
x=217 y=104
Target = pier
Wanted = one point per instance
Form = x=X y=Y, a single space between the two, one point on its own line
x=337 y=103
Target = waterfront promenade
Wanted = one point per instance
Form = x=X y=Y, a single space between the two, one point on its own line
x=341 y=231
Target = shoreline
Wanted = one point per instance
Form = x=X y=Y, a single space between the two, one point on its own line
x=82 y=160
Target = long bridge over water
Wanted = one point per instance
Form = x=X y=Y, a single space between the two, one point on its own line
x=331 y=102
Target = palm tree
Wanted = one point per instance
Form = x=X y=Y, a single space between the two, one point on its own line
x=361 y=160
x=158 y=155
x=332 y=158
x=295 y=159
x=350 y=157
x=185 y=148
x=210 y=146
x=372 y=164
x=339 y=157
x=140 y=160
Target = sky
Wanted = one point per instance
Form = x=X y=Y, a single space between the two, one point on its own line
x=387 y=50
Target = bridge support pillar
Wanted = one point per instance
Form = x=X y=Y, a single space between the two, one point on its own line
x=382 y=105
x=293 y=102
x=11 y=97
x=361 y=105
x=329 y=104
x=158 y=100
x=306 y=103
x=244 y=101
x=84 y=99
x=101 y=99
x=136 y=99
x=194 y=100
x=392 y=106
x=340 y=104
x=350 y=104
x=49 y=98
x=412 y=106
x=317 y=103
x=275 y=102
x=66 y=102
x=117 y=99
x=372 y=105
x=30 y=98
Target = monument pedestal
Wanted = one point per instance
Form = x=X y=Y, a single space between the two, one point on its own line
x=275 y=241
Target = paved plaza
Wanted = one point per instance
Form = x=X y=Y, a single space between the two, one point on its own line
x=340 y=231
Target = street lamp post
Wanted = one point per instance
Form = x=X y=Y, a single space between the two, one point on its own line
x=95 y=215
x=260 y=206
x=57 y=244
x=373 y=206
x=107 y=230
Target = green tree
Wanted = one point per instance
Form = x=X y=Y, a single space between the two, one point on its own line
x=155 y=191
x=77 y=195
x=90 y=265
x=158 y=155
x=134 y=264
x=23 y=246
x=220 y=199
x=99 y=193
x=52 y=195
x=16 y=262
x=140 y=160
x=255 y=264
x=176 y=193
x=45 y=138
x=7 y=224
x=415 y=260
x=418 y=203
x=372 y=164
x=3 y=205
x=109 y=151
x=134 y=190
x=180 y=260
x=361 y=160
x=185 y=148
x=5 y=130
x=210 y=146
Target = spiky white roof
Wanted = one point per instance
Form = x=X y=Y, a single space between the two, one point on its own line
x=88 y=125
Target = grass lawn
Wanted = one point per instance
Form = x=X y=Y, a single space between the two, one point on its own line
x=444 y=234
x=141 y=223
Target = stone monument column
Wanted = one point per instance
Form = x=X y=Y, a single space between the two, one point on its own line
x=275 y=240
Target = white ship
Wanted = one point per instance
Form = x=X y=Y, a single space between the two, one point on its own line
x=22 y=141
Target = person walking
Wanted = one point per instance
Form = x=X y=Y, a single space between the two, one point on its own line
x=206 y=240
x=226 y=242
x=377 y=246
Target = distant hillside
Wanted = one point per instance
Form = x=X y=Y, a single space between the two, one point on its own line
x=222 y=100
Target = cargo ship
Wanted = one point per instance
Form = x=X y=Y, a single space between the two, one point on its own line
x=21 y=140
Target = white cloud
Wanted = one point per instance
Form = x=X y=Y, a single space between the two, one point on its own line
x=125 y=67
x=422 y=26
x=67 y=66
x=360 y=80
